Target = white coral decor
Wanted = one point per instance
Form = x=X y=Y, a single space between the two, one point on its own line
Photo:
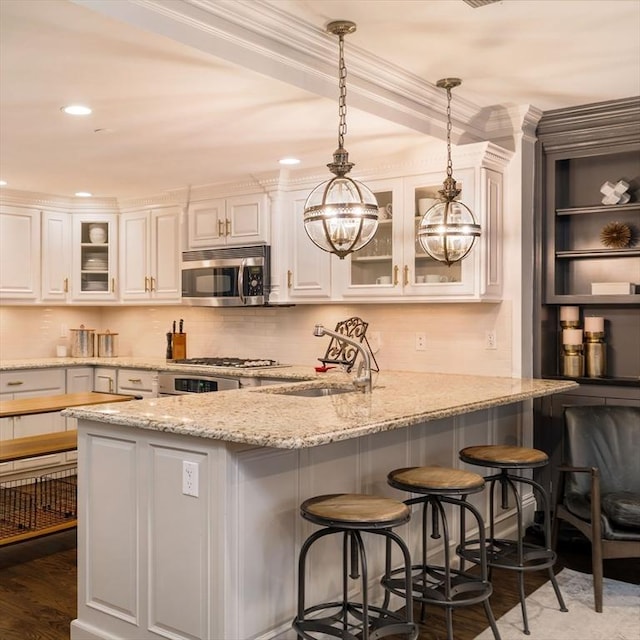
x=615 y=193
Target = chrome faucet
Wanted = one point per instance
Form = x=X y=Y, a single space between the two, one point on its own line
x=362 y=381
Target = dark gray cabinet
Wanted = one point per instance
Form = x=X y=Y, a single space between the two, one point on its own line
x=578 y=150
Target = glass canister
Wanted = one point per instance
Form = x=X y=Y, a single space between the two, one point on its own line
x=107 y=344
x=82 y=342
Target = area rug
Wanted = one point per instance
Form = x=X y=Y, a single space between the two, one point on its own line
x=620 y=619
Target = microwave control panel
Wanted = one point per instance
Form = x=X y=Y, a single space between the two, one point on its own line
x=254 y=281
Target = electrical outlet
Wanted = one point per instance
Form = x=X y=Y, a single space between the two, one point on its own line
x=421 y=341
x=190 y=478
x=490 y=339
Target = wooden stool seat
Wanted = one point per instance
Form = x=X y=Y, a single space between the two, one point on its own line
x=502 y=455
x=436 y=480
x=354 y=509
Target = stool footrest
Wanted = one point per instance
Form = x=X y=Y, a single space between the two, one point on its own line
x=428 y=586
x=382 y=625
x=503 y=554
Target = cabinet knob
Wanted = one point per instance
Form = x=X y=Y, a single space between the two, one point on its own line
x=395 y=275
x=406 y=275
x=146 y=284
x=220 y=228
x=289 y=278
x=113 y=285
x=65 y=285
x=227 y=224
x=153 y=283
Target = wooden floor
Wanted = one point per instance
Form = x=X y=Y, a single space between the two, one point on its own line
x=38 y=589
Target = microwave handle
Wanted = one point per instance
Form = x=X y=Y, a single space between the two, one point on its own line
x=243 y=266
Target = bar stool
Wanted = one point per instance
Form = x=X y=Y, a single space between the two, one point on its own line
x=442 y=585
x=351 y=515
x=514 y=555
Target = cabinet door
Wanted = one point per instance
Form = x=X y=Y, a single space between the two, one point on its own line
x=56 y=256
x=165 y=255
x=78 y=379
x=19 y=253
x=135 y=261
x=206 y=224
x=104 y=380
x=94 y=257
x=247 y=219
x=308 y=268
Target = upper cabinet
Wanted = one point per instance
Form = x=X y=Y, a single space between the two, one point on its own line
x=393 y=266
x=56 y=262
x=149 y=249
x=19 y=253
x=236 y=220
x=94 y=257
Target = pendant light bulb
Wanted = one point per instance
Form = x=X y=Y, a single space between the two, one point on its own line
x=448 y=229
x=341 y=214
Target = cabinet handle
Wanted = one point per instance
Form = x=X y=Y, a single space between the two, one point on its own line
x=135 y=380
x=110 y=385
x=113 y=285
x=289 y=278
x=14 y=383
x=227 y=224
x=146 y=284
x=65 y=285
x=220 y=228
x=406 y=275
x=153 y=283
x=395 y=275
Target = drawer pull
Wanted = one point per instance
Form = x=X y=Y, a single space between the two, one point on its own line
x=135 y=380
x=14 y=383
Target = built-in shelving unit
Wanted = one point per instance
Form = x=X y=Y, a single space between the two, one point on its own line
x=579 y=149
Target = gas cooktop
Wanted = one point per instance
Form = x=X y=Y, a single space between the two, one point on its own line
x=238 y=363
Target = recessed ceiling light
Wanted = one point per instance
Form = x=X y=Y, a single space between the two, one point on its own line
x=3 y=183
x=83 y=194
x=289 y=161
x=76 y=110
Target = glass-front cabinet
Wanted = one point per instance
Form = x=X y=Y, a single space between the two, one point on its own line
x=94 y=257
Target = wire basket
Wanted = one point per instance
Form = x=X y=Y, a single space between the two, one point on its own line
x=37 y=503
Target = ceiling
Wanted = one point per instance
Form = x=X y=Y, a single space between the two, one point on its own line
x=195 y=92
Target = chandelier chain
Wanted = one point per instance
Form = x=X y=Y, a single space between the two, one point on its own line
x=342 y=99
x=449 y=127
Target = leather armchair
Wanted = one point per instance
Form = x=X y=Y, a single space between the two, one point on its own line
x=599 y=483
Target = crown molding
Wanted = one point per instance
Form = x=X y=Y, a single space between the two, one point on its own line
x=270 y=41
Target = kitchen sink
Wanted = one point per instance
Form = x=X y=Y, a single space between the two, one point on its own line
x=315 y=392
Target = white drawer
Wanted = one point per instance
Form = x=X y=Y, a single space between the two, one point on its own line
x=131 y=380
x=46 y=380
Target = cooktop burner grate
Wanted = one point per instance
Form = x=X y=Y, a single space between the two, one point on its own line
x=239 y=363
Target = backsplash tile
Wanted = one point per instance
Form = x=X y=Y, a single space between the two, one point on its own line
x=455 y=332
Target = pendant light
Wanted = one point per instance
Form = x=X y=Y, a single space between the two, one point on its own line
x=341 y=214
x=448 y=229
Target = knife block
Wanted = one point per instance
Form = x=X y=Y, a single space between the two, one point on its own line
x=179 y=342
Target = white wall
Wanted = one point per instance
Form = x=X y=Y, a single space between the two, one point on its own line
x=455 y=332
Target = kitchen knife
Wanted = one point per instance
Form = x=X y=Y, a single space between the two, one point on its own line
x=174 y=326
x=181 y=325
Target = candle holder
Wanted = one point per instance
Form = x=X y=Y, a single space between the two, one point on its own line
x=570 y=324
x=595 y=354
x=572 y=360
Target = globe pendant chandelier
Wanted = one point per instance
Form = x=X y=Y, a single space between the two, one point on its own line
x=448 y=229
x=341 y=214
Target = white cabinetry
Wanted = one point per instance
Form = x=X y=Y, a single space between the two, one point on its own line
x=94 y=257
x=105 y=379
x=78 y=379
x=56 y=260
x=15 y=385
x=138 y=382
x=19 y=253
x=236 y=220
x=150 y=255
x=308 y=269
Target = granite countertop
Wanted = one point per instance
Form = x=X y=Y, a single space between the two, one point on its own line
x=287 y=372
x=263 y=416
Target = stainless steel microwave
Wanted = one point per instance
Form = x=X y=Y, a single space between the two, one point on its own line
x=226 y=277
